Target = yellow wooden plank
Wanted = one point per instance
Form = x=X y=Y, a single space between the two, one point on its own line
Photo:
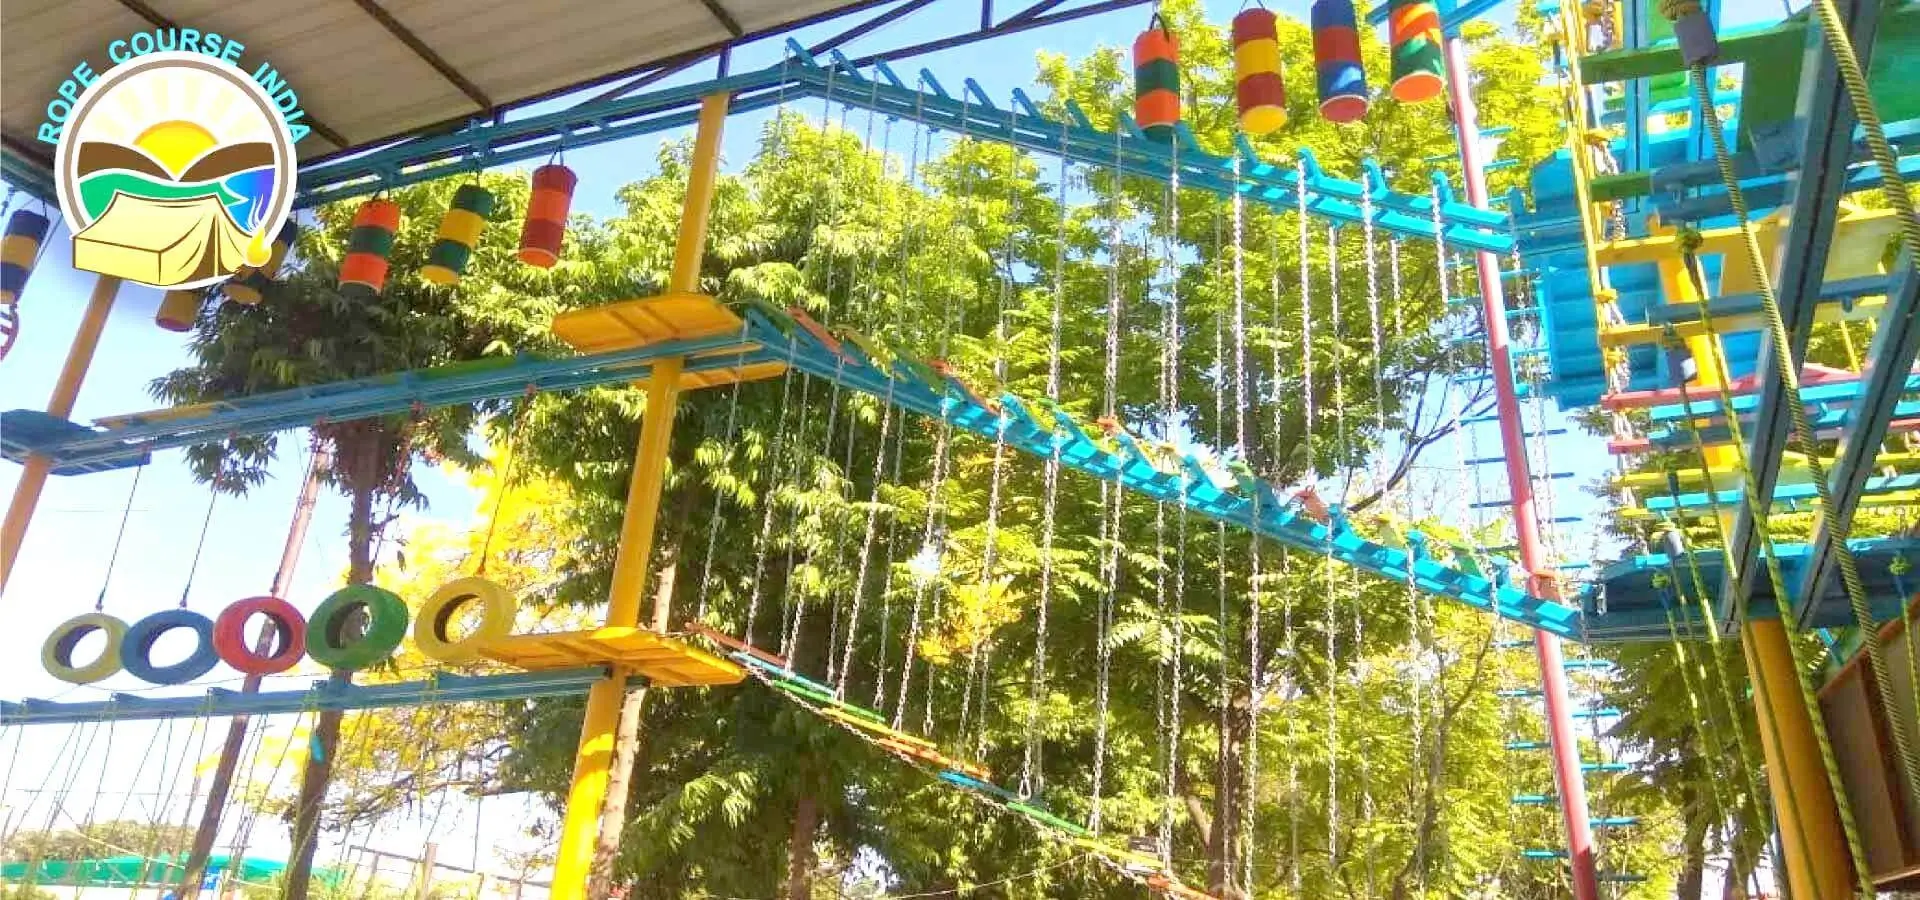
x=634 y=323
x=664 y=661
x=1865 y=308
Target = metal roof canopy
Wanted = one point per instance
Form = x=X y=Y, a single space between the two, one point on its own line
x=372 y=73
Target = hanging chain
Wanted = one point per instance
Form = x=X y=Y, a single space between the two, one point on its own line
x=1050 y=486
x=100 y=602
x=1112 y=499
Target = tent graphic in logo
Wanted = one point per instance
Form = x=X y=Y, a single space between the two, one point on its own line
x=175 y=171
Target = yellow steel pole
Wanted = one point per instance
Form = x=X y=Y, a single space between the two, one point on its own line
x=1813 y=846
x=26 y=494
x=594 y=757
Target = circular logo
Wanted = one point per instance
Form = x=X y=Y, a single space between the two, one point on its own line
x=175 y=170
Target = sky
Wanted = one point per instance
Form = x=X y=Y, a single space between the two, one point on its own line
x=95 y=537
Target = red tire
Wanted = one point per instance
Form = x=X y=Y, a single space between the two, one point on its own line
x=230 y=635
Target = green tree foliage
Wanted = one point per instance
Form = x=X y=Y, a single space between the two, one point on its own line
x=119 y=837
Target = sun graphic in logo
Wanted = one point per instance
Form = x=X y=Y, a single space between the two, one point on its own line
x=175 y=170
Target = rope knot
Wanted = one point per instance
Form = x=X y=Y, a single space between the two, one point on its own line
x=1675 y=10
x=1689 y=239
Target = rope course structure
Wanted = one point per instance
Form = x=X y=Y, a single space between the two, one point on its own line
x=1669 y=278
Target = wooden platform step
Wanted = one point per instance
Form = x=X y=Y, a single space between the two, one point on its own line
x=669 y=317
x=662 y=660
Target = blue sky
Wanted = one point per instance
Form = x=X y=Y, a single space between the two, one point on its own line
x=63 y=565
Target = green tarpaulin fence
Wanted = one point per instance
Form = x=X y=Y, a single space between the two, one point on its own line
x=133 y=871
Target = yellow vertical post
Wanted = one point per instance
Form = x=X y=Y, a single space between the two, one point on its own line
x=1814 y=850
x=593 y=758
x=26 y=494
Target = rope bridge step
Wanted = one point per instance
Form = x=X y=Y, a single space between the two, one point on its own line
x=662 y=660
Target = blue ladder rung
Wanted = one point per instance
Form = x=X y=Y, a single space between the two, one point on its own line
x=1615 y=821
x=1575 y=665
x=1527 y=745
x=1513 y=644
x=1532 y=800
x=1544 y=854
x=1606 y=768
x=1519 y=692
x=1620 y=877
x=1603 y=713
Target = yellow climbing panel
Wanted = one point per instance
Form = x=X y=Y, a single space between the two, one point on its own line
x=627 y=324
x=662 y=660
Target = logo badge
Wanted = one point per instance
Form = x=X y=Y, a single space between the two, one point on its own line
x=174 y=170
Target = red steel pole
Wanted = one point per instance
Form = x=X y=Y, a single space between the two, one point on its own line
x=1564 y=742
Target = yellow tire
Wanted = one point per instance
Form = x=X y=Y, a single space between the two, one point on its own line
x=498 y=609
x=56 y=655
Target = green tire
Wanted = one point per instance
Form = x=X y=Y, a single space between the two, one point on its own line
x=332 y=643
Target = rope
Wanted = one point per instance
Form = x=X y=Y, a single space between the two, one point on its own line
x=100 y=602
x=506 y=480
x=1785 y=368
x=193 y=568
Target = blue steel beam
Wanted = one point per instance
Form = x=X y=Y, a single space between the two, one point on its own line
x=1631 y=598
x=441 y=687
x=1771 y=191
x=1248 y=503
x=1826 y=119
x=1843 y=291
x=123 y=437
x=1827 y=396
x=1885 y=378
x=1797 y=495
x=975 y=115
x=487 y=144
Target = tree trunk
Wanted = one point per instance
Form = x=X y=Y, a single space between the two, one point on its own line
x=189 y=886
x=626 y=748
x=318 y=772
x=1693 y=868
x=800 y=858
x=1229 y=776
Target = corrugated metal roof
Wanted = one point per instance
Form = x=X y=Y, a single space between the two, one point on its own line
x=358 y=78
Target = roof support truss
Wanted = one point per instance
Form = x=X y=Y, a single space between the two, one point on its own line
x=427 y=55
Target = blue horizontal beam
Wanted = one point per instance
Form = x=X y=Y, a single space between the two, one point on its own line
x=1709 y=405
x=1246 y=501
x=1640 y=591
x=1279 y=185
x=1843 y=290
x=442 y=687
x=1821 y=419
x=1803 y=493
x=72 y=445
x=488 y=144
